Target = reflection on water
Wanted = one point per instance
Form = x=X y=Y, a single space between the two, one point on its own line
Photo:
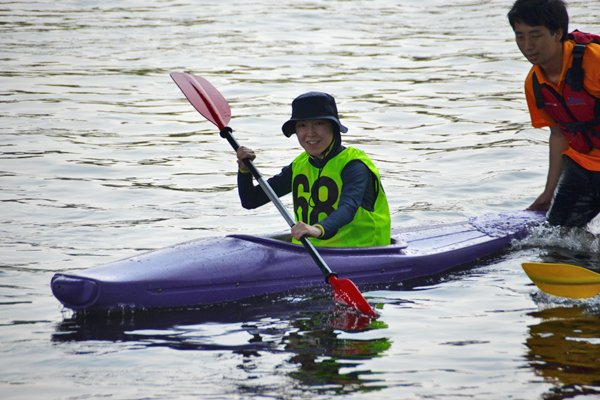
x=564 y=348
x=328 y=364
x=325 y=362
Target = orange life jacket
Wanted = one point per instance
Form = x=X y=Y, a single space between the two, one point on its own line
x=577 y=112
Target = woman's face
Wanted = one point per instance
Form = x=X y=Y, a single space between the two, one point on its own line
x=314 y=135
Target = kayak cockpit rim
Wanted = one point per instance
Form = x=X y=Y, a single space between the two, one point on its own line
x=285 y=241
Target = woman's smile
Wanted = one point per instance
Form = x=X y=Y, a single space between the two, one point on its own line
x=314 y=136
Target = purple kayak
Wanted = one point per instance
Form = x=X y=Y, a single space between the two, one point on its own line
x=236 y=267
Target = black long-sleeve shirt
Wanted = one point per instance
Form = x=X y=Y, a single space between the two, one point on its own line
x=358 y=189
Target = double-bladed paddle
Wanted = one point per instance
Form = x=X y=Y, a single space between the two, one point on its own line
x=207 y=100
x=564 y=280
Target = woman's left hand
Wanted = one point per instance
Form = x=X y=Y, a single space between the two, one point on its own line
x=302 y=229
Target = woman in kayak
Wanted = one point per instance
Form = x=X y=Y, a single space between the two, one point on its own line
x=337 y=193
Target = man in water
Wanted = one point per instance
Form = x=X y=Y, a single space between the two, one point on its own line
x=563 y=91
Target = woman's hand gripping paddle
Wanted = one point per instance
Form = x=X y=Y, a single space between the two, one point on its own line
x=564 y=280
x=207 y=100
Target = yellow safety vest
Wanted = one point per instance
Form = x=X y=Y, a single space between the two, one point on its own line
x=316 y=193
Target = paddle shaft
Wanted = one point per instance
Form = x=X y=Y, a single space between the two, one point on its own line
x=227 y=133
x=207 y=100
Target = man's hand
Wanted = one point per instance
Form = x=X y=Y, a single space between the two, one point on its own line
x=542 y=203
x=558 y=144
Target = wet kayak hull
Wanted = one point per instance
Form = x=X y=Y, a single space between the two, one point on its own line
x=236 y=267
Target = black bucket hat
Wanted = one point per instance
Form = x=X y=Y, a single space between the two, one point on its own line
x=310 y=106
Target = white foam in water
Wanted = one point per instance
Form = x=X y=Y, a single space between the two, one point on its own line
x=576 y=240
x=546 y=301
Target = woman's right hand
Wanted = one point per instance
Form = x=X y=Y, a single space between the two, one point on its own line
x=244 y=153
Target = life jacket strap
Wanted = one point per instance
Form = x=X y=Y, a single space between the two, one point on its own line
x=574 y=77
x=537 y=91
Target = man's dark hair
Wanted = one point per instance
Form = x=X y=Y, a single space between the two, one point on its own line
x=549 y=13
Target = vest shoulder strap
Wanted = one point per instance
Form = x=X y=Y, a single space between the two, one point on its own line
x=537 y=92
x=574 y=77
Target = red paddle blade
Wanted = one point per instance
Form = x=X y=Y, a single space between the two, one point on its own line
x=349 y=320
x=345 y=292
x=205 y=98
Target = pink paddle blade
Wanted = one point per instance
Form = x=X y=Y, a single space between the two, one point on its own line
x=345 y=292
x=205 y=98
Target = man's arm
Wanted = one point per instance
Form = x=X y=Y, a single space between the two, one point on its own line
x=558 y=144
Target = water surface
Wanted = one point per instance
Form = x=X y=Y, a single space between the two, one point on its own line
x=101 y=157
